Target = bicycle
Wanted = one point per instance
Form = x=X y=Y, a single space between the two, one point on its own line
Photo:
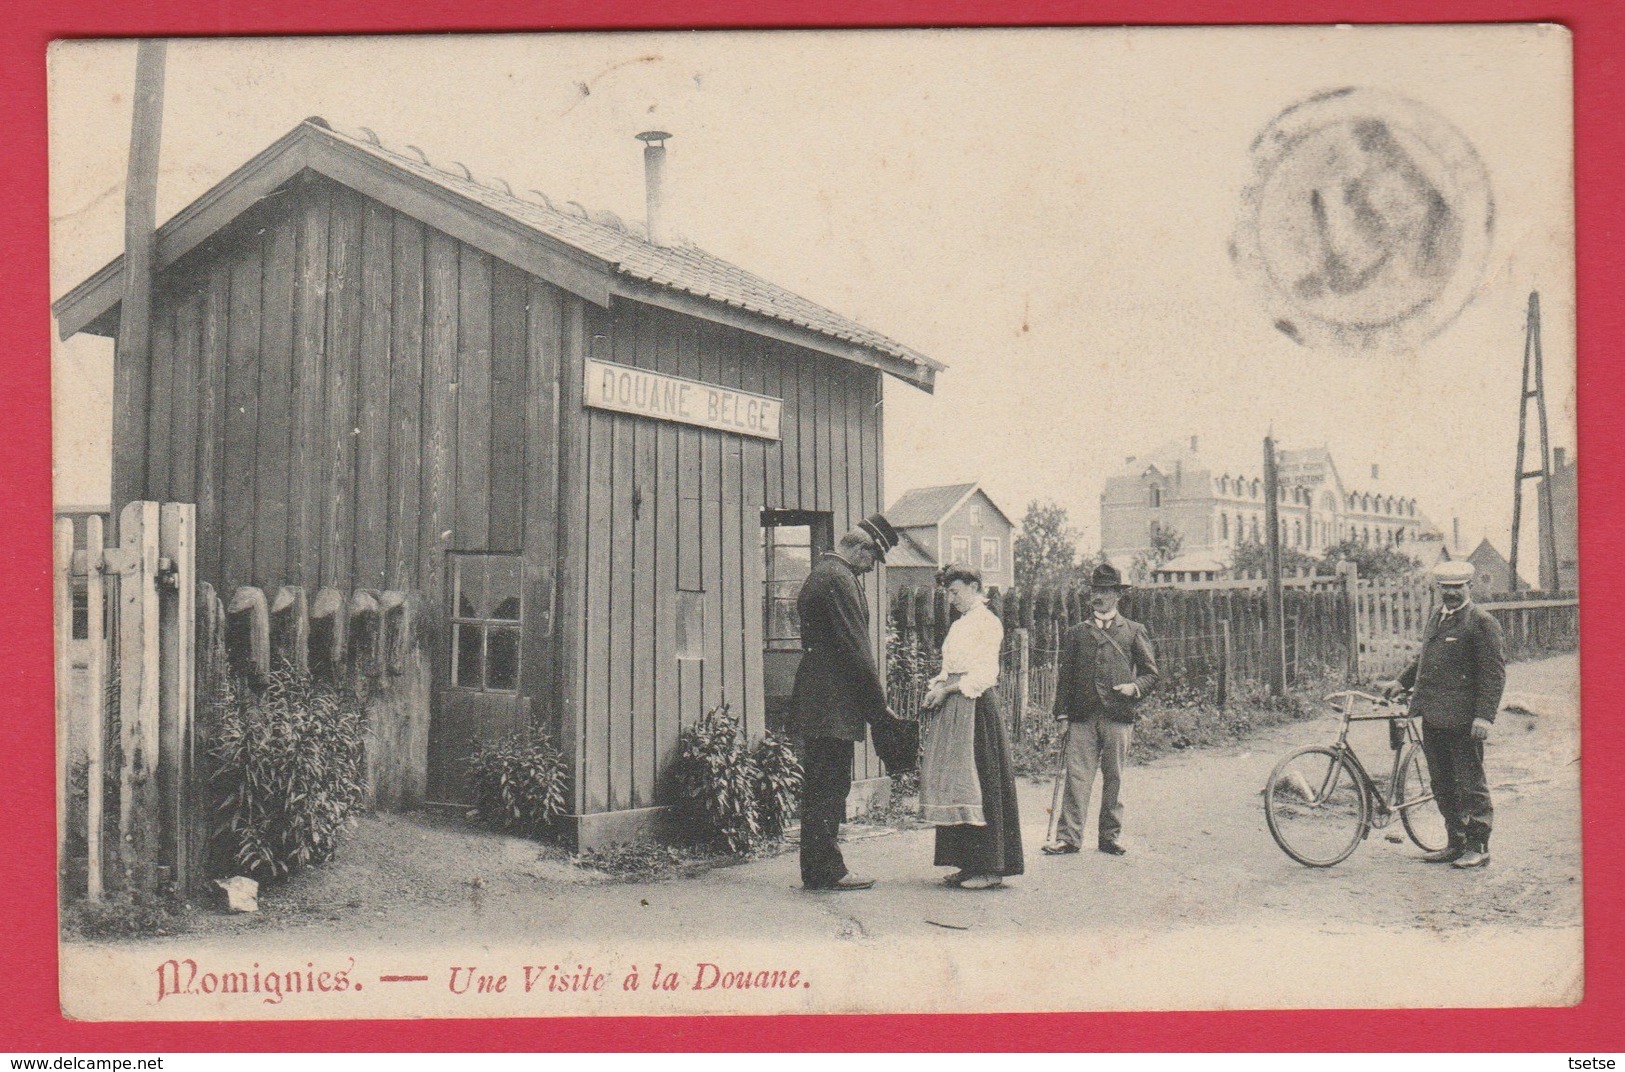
x=1320 y=802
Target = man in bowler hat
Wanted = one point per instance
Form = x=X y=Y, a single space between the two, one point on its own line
x=1456 y=682
x=1107 y=668
x=838 y=692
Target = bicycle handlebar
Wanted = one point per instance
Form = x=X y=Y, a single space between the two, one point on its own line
x=1343 y=704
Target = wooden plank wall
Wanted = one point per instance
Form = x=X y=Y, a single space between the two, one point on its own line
x=673 y=508
x=344 y=392
x=349 y=394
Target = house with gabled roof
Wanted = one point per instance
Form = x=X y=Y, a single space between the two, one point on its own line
x=601 y=458
x=949 y=523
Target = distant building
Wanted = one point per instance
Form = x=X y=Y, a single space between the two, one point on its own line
x=1214 y=511
x=1190 y=568
x=1494 y=572
x=1565 y=525
x=950 y=523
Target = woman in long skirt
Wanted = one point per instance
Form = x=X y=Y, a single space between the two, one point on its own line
x=967 y=780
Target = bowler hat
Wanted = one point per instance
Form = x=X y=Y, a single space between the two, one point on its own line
x=1106 y=575
x=880 y=533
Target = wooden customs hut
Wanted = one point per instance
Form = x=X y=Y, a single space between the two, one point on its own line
x=603 y=459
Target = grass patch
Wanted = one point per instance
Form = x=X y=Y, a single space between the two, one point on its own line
x=1175 y=719
x=119 y=915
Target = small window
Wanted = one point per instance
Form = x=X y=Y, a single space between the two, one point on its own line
x=1156 y=496
x=1224 y=526
x=990 y=555
x=789 y=558
x=486 y=620
x=959 y=547
x=976 y=515
x=791 y=542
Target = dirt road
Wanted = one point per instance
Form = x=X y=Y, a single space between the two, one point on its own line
x=1203 y=889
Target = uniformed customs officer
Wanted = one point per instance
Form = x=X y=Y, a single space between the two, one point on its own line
x=1456 y=682
x=838 y=692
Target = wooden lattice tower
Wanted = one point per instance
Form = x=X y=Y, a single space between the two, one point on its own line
x=1533 y=369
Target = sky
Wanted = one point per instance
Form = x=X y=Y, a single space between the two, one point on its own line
x=1047 y=212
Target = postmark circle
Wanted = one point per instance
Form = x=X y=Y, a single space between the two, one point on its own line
x=1367 y=223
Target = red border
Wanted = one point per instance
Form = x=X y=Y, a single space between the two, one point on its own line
x=28 y=976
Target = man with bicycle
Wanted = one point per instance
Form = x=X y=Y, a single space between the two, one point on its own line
x=1456 y=682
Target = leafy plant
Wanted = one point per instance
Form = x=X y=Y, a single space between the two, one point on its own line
x=520 y=783
x=716 y=779
x=290 y=763
x=910 y=663
x=778 y=783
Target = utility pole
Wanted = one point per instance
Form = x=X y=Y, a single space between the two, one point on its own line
x=1276 y=634
x=1534 y=368
x=132 y=356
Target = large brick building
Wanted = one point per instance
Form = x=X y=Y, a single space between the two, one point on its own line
x=1216 y=510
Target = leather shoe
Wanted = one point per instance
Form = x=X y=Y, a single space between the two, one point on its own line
x=1059 y=848
x=850 y=881
x=1444 y=856
x=1113 y=848
x=1472 y=858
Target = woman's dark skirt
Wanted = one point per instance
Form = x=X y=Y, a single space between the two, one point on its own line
x=993 y=849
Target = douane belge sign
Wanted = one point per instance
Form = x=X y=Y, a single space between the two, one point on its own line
x=672 y=398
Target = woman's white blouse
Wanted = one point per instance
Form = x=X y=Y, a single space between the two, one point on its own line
x=972 y=649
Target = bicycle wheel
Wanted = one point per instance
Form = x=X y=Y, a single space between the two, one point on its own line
x=1315 y=804
x=1418 y=812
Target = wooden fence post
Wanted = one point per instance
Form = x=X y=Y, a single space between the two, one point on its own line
x=1225 y=661
x=1349 y=574
x=177 y=609
x=366 y=634
x=290 y=628
x=328 y=621
x=248 y=632
x=139 y=805
x=62 y=622
x=95 y=694
x=210 y=670
x=1024 y=644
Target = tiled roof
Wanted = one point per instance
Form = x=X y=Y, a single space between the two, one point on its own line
x=925 y=506
x=909 y=553
x=604 y=236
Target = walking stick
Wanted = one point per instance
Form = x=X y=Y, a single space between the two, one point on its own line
x=1060 y=784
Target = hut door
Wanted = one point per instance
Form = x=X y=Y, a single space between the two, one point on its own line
x=791 y=539
x=480 y=702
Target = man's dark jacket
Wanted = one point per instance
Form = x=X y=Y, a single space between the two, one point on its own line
x=1094 y=660
x=837 y=690
x=1460 y=671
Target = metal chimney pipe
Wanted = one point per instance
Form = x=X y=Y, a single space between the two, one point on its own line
x=654 y=178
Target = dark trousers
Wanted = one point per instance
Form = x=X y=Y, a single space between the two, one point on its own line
x=826 y=779
x=1456 y=769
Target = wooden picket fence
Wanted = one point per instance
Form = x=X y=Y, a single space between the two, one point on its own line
x=1213 y=635
x=1392 y=618
x=1208 y=635
x=130 y=712
x=141 y=647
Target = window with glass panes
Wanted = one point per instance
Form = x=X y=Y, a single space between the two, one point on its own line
x=789 y=554
x=791 y=540
x=487 y=616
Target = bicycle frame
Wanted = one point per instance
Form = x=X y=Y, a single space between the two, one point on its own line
x=1386 y=807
